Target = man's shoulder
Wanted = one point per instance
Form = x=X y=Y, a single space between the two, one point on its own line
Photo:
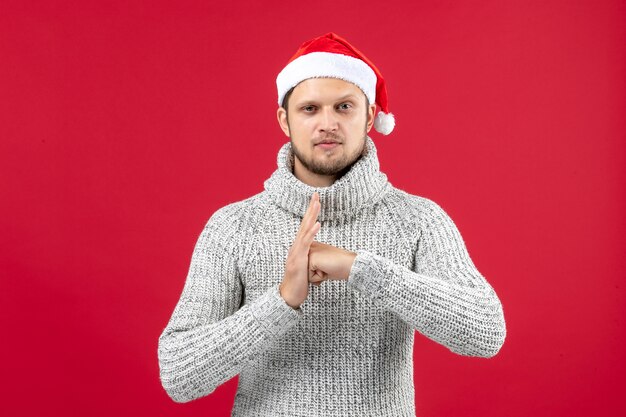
x=236 y=212
x=426 y=212
x=228 y=224
x=419 y=204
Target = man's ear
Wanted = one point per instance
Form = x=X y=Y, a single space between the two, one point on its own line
x=371 y=111
x=281 y=115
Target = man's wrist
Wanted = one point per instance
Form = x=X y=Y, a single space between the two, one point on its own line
x=284 y=299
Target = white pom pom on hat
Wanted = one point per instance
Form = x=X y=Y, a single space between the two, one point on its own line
x=384 y=122
x=332 y=56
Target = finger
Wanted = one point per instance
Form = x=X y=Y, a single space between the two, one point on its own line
x=308 y=238
x=306 y=214
x=308 y=228
x=317 y=275
x=311 y=214
x=313 y=203
x=312 y=273
x=322 y=275
x=309 y=221
x=303 y=242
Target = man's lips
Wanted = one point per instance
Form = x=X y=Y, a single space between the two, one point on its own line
x=328 y=145
x=327 y=141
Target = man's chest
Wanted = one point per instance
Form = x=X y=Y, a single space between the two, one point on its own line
x=267 y=252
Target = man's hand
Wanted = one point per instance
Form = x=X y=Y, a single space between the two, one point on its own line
x=295 y=285
x=329 y=262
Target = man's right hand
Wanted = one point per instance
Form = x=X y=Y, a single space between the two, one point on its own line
x=295 y=285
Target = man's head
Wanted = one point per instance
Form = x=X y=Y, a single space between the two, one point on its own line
x=326 y=109
x=329 y=91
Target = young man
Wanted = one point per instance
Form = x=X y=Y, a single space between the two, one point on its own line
x=388 y=262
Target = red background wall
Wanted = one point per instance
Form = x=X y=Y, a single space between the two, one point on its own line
x=123 y=127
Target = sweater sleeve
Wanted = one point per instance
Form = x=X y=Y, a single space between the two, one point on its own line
x=445 y=297
x=209 y=338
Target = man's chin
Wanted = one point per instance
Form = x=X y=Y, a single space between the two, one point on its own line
x=338 y=167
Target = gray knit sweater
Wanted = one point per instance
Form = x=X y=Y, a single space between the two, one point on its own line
x=347 y=351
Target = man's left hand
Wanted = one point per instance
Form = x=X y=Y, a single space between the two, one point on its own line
x=329 y=262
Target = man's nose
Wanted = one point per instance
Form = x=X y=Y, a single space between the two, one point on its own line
x=328 y=122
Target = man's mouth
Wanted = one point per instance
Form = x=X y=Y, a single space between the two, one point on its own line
x=328 y=144
x=328 y=141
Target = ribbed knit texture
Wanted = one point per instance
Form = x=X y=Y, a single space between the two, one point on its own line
x=347 y=351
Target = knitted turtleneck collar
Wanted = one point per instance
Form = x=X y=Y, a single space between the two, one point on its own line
x=362 y=186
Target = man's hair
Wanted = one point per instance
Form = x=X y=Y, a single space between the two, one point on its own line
x=286 y=100
x=288 y=94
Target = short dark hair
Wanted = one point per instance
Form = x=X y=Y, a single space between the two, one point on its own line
x=286 y=99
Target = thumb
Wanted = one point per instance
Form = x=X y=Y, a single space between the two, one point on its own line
x=313 y=276
x=317 y=276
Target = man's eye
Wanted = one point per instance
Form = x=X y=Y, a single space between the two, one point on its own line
x=345 y=106
x=307 y=108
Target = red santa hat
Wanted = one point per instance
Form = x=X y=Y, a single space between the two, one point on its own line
x=332 y=56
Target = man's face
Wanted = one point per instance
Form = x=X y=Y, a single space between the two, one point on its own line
x=322 y=109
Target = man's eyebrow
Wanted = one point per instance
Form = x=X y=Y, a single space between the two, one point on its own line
x=302 y=102
x=346 y=96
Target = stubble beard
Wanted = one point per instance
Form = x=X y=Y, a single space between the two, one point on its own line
x=334 y=166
